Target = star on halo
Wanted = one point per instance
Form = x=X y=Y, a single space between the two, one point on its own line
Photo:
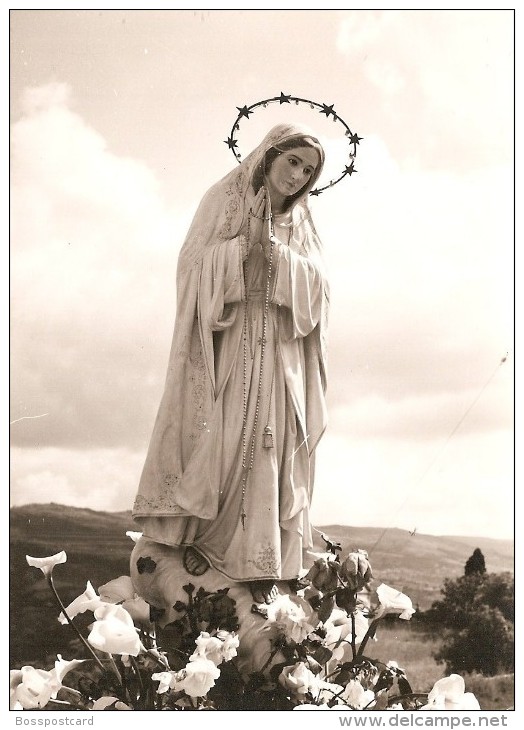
x=231 y=143
x=244 y=111
x=327 y=110
x=350 y=169
x=284 y=98
x=355 y=139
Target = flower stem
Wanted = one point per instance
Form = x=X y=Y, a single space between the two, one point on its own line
x=370 y=633
x=75 y=693
x=270 y=659
x=409 y=696
x=60 y=702
x=73 y=626
x=353 y=637
x=142 y=697
x=125 y=686
x=164 y=664
x=115 y=669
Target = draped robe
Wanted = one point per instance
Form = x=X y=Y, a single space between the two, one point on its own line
x=217 y=397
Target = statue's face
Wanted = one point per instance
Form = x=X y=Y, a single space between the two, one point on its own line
x=290 y=171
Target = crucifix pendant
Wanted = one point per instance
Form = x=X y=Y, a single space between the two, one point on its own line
x=268 y=438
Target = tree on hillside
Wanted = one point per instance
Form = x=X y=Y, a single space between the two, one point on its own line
x=476 y=614
x=486 y=645
x=475 y=563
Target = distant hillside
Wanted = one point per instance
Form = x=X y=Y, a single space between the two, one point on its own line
x=486 y=544
x=98 y=550
x=418 y=564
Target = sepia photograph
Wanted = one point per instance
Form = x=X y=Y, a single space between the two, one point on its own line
x=262 y=349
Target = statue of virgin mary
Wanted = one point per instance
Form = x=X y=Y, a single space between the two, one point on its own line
x=229 y=471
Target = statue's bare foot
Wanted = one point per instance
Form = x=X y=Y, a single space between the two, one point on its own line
x=263 y=591
x=194 y=563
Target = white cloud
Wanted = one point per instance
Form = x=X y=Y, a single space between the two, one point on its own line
x=100 y=479
x=464 y=486
x=360 y=31
x=386 y=77
x=439 y=84
x=421 y=275
x=93 y=281
x=424 y=417
x=54 y=94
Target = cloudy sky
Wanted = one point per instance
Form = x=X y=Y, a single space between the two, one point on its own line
x=117 y=127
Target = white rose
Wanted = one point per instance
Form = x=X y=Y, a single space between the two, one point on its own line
x=356 y=696
x=208 y=647
x=448 y=694
x=197 y=678
x=291 y=618
x=299 y=679
x=230 y=644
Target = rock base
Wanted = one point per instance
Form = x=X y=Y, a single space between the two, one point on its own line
x=158 y=576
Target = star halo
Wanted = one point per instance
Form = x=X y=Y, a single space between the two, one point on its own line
x=327 y=109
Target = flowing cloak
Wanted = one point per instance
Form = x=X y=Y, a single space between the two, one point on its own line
x=218 y=397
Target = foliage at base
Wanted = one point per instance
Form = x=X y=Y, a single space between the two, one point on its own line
x=316 y=659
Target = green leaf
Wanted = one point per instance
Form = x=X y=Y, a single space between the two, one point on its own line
x=322 y=654
x=346 y=599
x=326 y=608
x=404 y=686
x=381 y=700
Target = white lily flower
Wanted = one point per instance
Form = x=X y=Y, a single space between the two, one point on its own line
x=393 y=601
x=135 y=536
x=87 y=601
x=46 y=565
x=114 y=631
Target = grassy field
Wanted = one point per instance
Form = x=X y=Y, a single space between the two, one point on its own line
x=412 y=647
x=408 y=645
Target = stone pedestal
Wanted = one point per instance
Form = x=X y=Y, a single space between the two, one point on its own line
x=158 y=576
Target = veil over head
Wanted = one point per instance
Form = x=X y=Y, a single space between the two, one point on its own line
x=223 y=210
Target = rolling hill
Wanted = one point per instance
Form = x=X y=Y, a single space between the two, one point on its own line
x=418 y=564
